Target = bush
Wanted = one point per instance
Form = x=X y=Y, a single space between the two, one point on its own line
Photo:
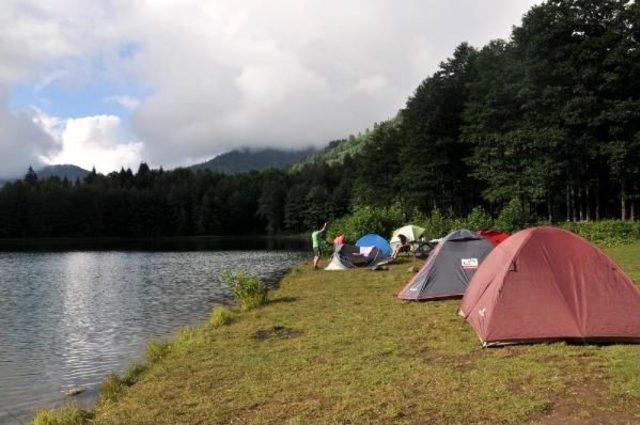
x=367 y=220
x=249 y=291
x=384 y=221
x=68 y=415
x=478 y=219
x=221 y=316
x=437 y=224
x=512 y=218
x=606 y=232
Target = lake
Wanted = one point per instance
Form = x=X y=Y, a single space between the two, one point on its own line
x=70 y=315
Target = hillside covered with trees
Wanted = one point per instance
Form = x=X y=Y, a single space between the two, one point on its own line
x=245 y=160
x=548 y=120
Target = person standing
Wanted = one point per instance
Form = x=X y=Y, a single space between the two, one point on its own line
x=316 y=240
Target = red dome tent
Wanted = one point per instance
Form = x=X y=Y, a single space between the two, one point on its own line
x=545 y=283
x=495 y=236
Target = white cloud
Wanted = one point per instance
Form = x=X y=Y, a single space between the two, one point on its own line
x=95 y=141
x=127 y=102
x=224 y=73
x=21 y=140
x=292 y=73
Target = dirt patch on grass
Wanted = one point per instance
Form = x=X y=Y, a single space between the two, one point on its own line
x=276 y=332
x=458 y=362
x=570 y=407
x=584 y=401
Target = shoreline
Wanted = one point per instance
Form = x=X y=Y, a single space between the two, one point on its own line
x=56 y=395
x=335 y=347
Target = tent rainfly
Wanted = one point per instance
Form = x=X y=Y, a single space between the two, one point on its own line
x=348 y=257
x=494 y=236
x=375 y=240
x=410 y=231
x=449 y=268
x=544 y=284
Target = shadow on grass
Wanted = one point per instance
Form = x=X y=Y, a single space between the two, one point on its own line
x=280 y=300
x=571 y=342
x=276 y=332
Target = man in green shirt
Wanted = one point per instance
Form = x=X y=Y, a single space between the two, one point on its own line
x=316 y=240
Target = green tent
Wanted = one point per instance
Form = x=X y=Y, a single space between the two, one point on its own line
x=411 y=231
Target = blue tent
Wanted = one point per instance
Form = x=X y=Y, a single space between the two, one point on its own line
x=375 y=240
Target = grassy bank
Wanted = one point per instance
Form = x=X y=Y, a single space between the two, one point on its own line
x=338 y=347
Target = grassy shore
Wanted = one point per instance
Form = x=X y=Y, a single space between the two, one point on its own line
x=338 y=347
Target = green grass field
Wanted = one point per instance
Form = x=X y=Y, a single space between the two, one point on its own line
x=338 y=347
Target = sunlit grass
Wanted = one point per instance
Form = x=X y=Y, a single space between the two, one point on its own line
x=220 y=316
x=68 y=415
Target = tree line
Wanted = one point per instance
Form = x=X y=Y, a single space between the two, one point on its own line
x=548 y=120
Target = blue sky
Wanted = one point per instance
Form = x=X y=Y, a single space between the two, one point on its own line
x=73 y=96
x=62 y=100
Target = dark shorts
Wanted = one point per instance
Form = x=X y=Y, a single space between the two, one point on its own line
x=316 y=251
x=405 y=248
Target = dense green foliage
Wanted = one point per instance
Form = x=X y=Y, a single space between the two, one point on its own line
x=383 y=221
x=338 y=150
x=366 y=220
x=543 y=126
x=606 y=232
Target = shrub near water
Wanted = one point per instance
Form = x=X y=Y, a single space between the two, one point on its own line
x=249 y=291
x=220 y=316
x=156 y=350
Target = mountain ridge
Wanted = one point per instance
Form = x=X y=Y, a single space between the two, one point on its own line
x=245 y=160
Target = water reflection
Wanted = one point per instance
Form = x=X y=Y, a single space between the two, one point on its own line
x=68 y=319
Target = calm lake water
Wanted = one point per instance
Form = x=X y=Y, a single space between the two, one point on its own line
x=68 y=318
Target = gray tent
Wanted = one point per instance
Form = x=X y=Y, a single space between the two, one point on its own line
x=449 y=268
x=349 y=257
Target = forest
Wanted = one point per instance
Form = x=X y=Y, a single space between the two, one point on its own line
x=548 y=120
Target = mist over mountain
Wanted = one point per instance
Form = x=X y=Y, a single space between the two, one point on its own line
x=244 y=160
x=70 y=171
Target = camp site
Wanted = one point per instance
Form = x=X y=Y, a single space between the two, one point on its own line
x=308 y=212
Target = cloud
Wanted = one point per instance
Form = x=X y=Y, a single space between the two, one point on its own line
x=127 y=102
x=95 y=141
x=292 y=73
x=222 y=74
x=21 y=140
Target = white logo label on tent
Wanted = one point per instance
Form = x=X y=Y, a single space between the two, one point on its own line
x=469 y=263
